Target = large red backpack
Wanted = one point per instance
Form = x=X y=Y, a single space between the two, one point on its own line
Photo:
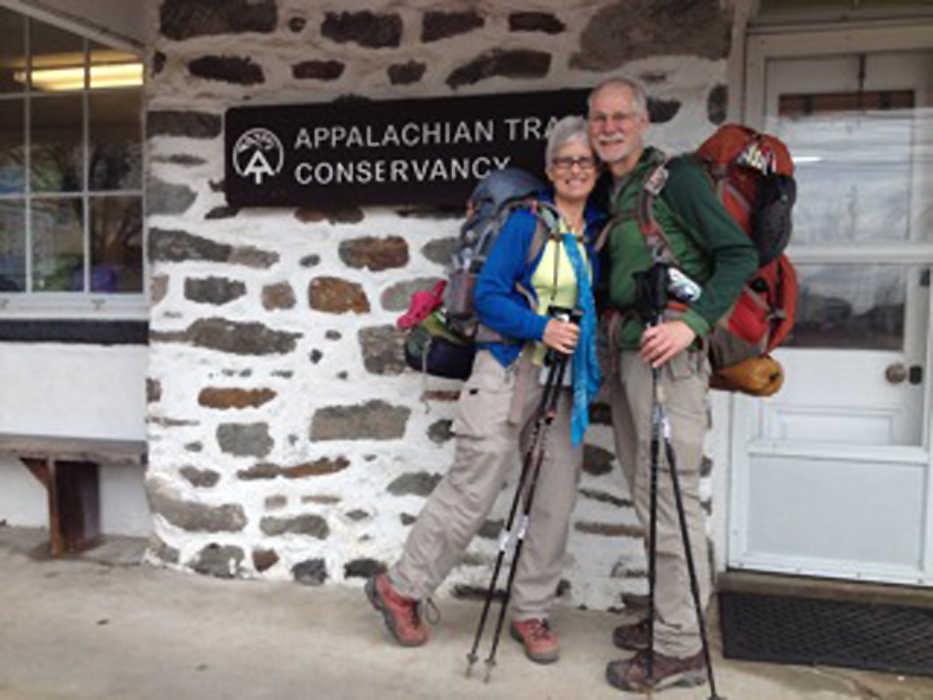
x=752 y=174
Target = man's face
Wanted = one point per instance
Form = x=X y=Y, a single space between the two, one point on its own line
x=617 y=129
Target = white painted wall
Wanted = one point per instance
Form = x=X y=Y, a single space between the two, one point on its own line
x=83 y=390
x=599 y=567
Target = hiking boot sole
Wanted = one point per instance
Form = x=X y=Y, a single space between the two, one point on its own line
x=687 y=679
x=375 y=597
x=545 y=658
x=684 y=679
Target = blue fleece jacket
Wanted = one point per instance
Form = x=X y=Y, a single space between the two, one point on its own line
x=498 y=303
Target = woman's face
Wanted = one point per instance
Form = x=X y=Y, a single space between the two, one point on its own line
x=573 y=170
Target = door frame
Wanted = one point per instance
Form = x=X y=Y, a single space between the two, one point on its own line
x=803 y=41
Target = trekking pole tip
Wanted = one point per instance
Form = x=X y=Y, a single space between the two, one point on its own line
x=471 y=659
x=489 y=665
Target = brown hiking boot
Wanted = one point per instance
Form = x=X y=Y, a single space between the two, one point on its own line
x=633 y=637
x=632 y=674
x=400 y=613
x=535 y=635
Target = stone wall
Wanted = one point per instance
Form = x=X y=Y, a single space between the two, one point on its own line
x=287 y=438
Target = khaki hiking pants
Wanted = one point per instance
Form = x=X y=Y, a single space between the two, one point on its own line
x=684 y=384
x=496 y=413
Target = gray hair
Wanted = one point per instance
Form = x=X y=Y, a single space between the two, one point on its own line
x=639 y=96
x=572 y=128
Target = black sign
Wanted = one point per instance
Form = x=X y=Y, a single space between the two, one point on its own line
x=428 y=151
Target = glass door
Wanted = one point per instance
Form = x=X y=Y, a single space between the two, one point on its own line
x=831 y=475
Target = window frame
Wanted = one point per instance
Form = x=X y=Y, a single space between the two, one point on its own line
x=98 y=306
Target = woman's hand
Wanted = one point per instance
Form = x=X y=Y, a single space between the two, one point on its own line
x=661 y=343
x=561 y=336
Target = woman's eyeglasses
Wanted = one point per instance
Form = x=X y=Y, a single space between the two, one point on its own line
x=566 y=163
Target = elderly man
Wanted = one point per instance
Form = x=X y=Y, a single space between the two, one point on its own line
x=712 y=250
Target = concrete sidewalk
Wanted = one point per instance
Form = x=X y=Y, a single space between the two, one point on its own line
x=103 y=626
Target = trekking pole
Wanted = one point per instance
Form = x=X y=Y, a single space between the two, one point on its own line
x=691 y=568
x=549 y=416
x=506 y=534
x=656 y=418
x=656 y=284
x=651 y=293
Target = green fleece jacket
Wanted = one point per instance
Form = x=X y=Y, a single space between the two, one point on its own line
x=709 y=245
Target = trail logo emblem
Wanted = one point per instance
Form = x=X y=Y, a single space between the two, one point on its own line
x=258 y=153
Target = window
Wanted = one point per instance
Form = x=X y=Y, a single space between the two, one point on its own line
x=71 y=174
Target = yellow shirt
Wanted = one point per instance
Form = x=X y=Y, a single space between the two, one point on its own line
x=554 y=281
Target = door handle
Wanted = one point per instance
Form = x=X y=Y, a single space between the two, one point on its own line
x=895 y=373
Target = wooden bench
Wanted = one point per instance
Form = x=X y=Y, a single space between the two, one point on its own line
x=68 y=468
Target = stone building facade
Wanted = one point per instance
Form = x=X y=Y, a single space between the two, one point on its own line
x=287 y=439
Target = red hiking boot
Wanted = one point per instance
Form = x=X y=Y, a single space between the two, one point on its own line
x=535 y=635
x=400 y=613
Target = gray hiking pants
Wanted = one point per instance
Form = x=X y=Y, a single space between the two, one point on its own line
x=495 y=414
x=684 y=384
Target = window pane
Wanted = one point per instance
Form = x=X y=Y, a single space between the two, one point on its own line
x=12 y=245
x=57 y=245
x=853 y=167
x=116 y=244
x=56 y=144
x=113 y=68
x=115 y=140
x=57 y=58
x=851 y=306
x=12 y=52
x=12 y=167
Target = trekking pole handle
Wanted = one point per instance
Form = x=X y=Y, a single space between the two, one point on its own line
x=565 y=315
x=558 y=360
x=559 y=336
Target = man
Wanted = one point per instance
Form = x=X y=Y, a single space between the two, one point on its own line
x=710 y=248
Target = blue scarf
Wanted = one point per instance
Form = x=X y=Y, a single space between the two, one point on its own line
x=586 y=375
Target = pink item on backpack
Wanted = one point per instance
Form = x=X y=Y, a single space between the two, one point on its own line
x=421 y=306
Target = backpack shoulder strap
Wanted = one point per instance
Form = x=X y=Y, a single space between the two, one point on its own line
x=548 y=219
x=644 y=211
x=716 y=182
x=603 y=234
x=546 y=222
x=650 y=188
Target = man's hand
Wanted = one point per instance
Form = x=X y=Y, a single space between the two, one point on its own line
x=661 y=343
x=561 y=335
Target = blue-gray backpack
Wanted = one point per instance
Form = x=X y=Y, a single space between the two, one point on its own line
x=443 y=343
x=489 y=206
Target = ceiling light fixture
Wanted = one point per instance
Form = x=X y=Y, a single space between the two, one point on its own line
x=102 y=76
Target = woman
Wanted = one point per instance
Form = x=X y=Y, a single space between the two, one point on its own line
x=498 y=404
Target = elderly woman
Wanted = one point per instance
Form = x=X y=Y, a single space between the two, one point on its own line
x=499 y=402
